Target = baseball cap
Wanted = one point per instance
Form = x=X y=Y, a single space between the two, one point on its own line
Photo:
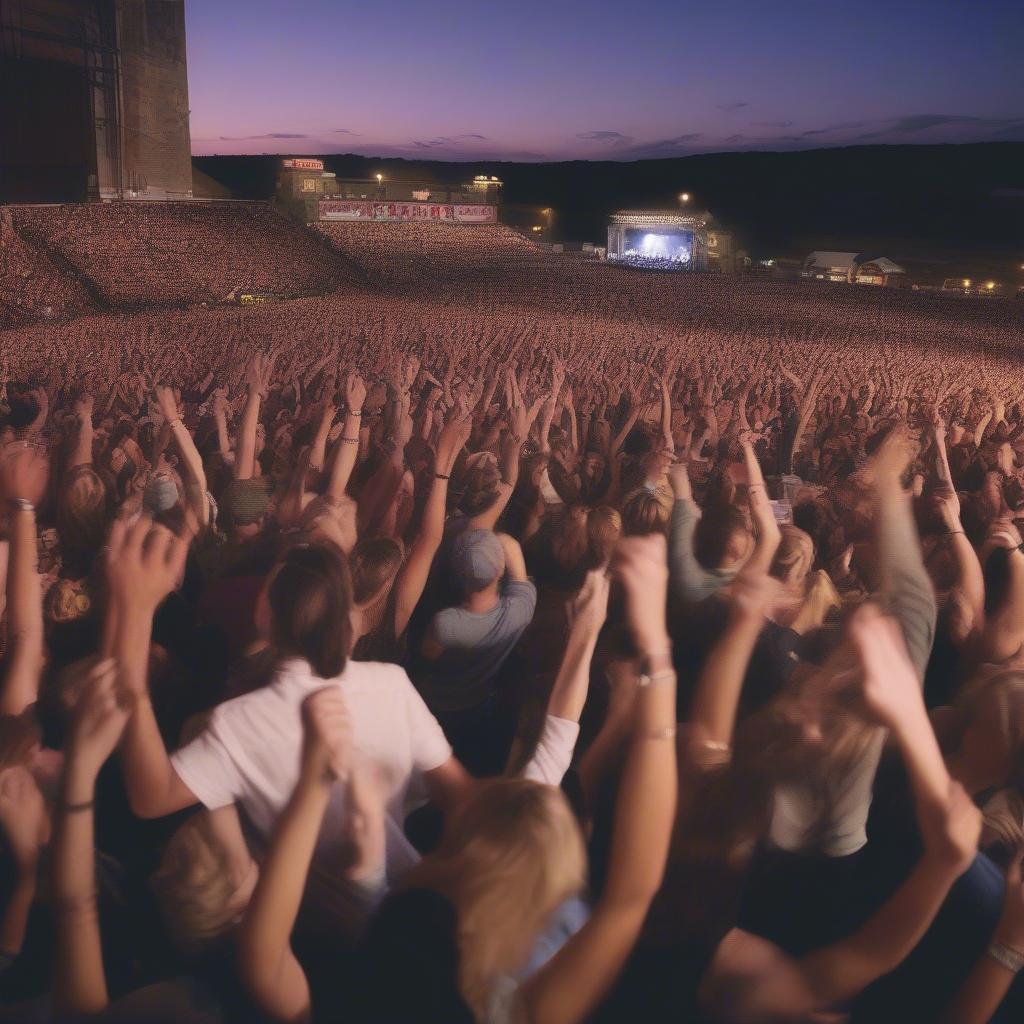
x=477 y=559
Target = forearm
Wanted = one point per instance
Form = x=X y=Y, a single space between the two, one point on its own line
x=720 y=682
x=838 y=972
x=981 y=993
x=25 y=616
x=265 y=934
x=81 y=454
x=905 y=585
x=223 y=441
x=245 y=463
x=345 y=456
x=79 y=983
x=645 y=806
x=14 y=922
x=569 y=693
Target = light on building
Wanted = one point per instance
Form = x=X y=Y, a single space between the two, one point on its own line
x=379 y=177
x=990 y=285
x=967 y=282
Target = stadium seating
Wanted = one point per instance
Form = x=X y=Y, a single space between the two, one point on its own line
x=178 y=254
x=32 y=287
x=409 y=254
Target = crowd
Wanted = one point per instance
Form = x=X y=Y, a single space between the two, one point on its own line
x=430 y=679
x=521 y=643
x=31 y=287
x=176 y=254
x=398 y=255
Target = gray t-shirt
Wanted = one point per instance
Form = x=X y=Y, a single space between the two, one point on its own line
x=475 y=647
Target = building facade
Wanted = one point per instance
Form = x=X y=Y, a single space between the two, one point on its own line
x=93 y=100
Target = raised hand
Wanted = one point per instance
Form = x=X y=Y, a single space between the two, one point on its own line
x=167 y=403
x=355 y=392
x=327 y=736
x=144 y=563
x=589 y=608
x=99 y=719
x=23 y=472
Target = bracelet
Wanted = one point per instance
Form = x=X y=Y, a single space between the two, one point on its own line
x=21 y=505
x=349 y=440
x=953 y=533
x=655 y=659
x=442 y=476
x=355 y=412
x=1006 y=956
x=175 y=423
x=657 y=677
x=667 y=733
x=708 y=754
x=75 y=808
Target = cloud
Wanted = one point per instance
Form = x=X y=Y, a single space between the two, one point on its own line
x=733 y=106
x=663 y=147
x=446 y=140
x=733 y=138
x=773 y=124
x=344 y=131
x=603 y=135
x=912 y=124
x=268 y=135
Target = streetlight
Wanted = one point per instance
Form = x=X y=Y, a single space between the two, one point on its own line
x=684 y=197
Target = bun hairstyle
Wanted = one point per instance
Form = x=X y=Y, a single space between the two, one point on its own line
x=310 y=603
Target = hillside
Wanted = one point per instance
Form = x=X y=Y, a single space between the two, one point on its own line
x=969 y=198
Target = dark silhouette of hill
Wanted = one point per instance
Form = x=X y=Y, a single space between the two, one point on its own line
x=968 y=197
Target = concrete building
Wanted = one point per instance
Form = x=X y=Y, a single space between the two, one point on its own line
x=853 y=268
x=93 y=100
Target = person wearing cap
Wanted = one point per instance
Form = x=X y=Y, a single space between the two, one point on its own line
x=465 y=646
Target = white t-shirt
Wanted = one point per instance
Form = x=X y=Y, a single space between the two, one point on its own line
x=250 y=752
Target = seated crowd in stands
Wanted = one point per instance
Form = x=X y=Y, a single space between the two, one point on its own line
x=475 y=685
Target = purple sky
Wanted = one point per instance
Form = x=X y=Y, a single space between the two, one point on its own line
x=622 y=80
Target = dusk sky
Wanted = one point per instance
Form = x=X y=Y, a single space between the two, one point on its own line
x=561 y=79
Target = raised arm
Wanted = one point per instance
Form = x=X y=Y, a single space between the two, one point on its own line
x=768 y=534
x=752 y=980
x=144 y=563
x=258 y=375
x=991 y=977
x=568 y=987
x=720 y=682
x=347 y=450
x=23 y=474
x=414 y=574
x=192 y=462
x=269 y=968
x=79 y=982
x=81 y=454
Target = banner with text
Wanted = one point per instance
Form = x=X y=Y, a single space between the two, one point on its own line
x=346 y=209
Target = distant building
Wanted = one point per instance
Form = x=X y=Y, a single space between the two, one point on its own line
x=853 y=268
x=310 y=193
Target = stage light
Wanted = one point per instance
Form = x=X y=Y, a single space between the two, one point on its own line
x=967 y=282
x=990 y=285
x=380 y=178
x=684 y=197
